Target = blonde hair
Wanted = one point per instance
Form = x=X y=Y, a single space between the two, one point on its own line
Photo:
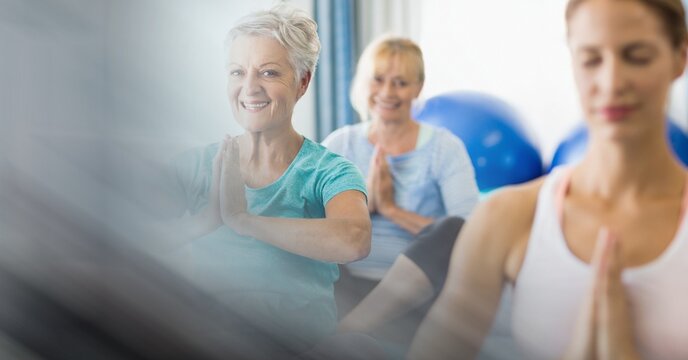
x=382 y=49
x=671 y=12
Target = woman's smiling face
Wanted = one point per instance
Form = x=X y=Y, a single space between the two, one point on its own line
x=392 y=89
x=262 y=86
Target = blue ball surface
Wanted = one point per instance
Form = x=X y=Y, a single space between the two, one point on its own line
x=496 y=139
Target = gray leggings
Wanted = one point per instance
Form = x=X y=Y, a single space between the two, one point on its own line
x=432 y=249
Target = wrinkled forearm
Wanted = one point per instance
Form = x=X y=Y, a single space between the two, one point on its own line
x=334 y=240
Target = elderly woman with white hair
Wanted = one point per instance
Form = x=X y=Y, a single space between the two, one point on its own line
x=272 y=212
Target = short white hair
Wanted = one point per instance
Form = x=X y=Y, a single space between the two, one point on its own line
x=291 y=27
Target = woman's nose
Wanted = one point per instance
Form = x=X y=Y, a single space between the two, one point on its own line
x=388 y=89
x=613 y=78
x=251 y=84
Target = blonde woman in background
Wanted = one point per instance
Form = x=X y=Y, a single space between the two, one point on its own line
x=416 y=174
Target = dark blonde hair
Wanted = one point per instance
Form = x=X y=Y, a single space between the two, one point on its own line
x=671 y=12
x=383 y=49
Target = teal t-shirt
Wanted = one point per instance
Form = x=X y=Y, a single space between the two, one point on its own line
x=292 y=296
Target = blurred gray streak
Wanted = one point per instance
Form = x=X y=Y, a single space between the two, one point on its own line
x=81 y=179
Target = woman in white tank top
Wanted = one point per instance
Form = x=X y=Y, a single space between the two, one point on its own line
x=597 y=253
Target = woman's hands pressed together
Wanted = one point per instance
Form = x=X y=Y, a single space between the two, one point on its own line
x=231 y=195
x=380 y=184
x=604 y=329
x=384 y=185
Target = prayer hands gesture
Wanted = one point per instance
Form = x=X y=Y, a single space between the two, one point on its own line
x=604 y=329
x=380 y=184
x=229 y=194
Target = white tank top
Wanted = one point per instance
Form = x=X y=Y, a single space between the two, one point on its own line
x=552 y=283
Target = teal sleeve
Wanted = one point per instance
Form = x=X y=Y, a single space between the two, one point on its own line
x=338 y=176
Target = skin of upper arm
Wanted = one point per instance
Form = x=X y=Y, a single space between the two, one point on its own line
x=478 y=256
x=478 y=267
x=491 y=246
x=351 y=206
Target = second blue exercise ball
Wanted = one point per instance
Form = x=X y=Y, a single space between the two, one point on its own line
x=572 y=148
x=495 y=138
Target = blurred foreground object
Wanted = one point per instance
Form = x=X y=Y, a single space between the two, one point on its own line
x=69 y=290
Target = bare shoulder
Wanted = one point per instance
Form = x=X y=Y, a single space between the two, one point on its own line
x=511 y=208
x=499 y=228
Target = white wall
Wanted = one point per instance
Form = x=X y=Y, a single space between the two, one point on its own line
x=515 y=50
x=512 y=49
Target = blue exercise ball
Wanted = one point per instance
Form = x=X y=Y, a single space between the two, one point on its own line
x=572 y=148
x=496 y=139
